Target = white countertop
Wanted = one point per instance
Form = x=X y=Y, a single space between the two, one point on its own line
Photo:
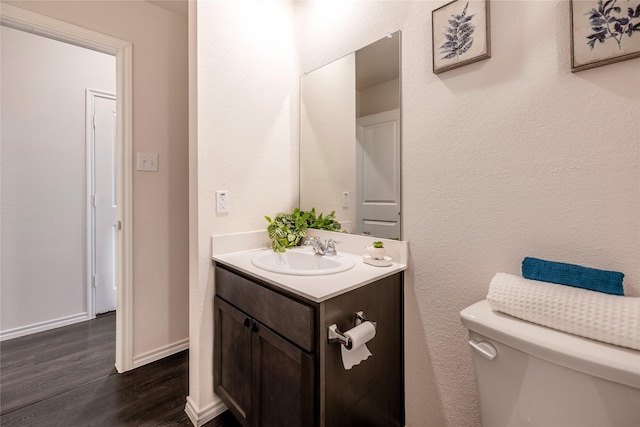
x=313 y=288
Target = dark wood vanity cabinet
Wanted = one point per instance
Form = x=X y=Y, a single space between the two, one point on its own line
x=273 y=365
x=263 y=378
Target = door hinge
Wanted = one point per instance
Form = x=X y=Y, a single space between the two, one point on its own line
x=93 y=200
x=94 y=121
x=93 y=281
x=119 y=225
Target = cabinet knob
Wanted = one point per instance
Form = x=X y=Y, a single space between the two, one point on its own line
x=254 y=327
x=247 y=322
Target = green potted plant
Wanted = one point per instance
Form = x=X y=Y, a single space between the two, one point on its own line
x=287 y=230
x=328 y=223
x=377 y=250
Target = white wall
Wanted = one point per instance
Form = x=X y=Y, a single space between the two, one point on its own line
x=160 y=125
x=510 y=157
x=506 y=158
x=246 y=144
x=43 y=178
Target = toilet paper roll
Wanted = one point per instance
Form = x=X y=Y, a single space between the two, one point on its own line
x=359 y=335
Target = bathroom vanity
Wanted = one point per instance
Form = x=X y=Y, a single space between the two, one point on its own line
x=276 y=361
x=273 y=362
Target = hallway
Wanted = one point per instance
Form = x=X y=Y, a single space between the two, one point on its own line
x=66 y=376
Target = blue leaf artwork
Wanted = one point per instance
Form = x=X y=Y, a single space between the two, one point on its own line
x=610 y=22
x=459 y=35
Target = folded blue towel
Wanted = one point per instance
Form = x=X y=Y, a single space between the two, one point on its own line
x=609 y=282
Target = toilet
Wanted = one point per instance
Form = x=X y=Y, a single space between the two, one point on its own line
x=531 y=375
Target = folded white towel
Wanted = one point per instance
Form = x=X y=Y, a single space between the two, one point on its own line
x=608 y=318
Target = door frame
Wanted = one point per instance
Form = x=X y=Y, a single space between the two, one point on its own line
x=90 y=179
x=20 y=19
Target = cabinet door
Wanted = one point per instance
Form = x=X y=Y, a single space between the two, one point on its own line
x=283 y=382
x=232 y=359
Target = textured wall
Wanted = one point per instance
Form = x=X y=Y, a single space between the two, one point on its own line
x=160 y=124
x=246 y=143
x=43 y=175
x=510 y=157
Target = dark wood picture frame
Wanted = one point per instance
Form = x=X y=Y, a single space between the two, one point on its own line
x=461 y=34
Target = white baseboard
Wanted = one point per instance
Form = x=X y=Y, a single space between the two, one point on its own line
x=160 y=353
x=43 y=326
x=209 y=412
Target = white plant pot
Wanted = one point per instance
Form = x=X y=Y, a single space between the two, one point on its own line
x=376 y=253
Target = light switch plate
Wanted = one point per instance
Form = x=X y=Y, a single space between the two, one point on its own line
x=147 y=162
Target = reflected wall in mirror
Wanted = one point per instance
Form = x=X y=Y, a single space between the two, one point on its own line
x=350 y=139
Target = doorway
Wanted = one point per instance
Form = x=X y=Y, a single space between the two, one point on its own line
x=102 y=220
x=24 y=20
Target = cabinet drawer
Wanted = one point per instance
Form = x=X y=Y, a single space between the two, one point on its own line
x=287 y=317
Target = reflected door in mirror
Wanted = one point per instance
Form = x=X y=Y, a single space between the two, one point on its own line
x=378 y=175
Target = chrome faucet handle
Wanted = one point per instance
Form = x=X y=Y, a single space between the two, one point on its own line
x=314 y=241
x=331 y=247
x=318 y=247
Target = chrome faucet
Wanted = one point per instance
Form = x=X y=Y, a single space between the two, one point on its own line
x=318 y=247
x=328 y=248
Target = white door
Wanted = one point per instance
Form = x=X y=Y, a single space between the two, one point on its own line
x=104 y=201
x=378 y=175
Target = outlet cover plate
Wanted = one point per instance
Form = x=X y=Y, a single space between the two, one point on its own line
x=222 y=201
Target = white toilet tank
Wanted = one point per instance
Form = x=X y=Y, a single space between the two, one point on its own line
x=531 y=375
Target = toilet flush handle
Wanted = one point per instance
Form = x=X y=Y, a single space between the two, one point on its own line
x=484 y=348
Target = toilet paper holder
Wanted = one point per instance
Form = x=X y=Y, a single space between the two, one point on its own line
x=335 y=336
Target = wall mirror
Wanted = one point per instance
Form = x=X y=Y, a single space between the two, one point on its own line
x=350 y=139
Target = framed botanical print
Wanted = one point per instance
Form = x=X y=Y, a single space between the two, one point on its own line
x=604 y=32
x=461 y=34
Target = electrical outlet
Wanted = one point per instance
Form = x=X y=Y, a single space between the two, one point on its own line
x=222 y=201
x=147 y=162
x=345 y=199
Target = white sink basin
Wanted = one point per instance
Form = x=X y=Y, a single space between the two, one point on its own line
x=301 y=262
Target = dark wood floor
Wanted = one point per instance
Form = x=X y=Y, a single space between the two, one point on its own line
x=66 y=377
